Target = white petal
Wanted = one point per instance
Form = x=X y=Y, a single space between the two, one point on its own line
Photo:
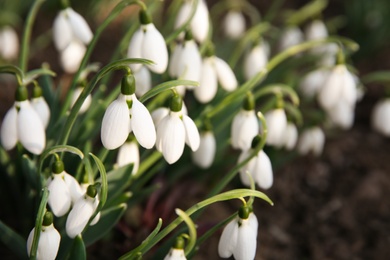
x=192 y=133
x=174 y=61
x=155 y=49
x=226 y=77
x=9 y=43
x=331 y=93
x=71 y=56
x=255 y=61
x=235 y=128
x=312 y=82
x=159 y=114
x=246 y=242
x=9 y=132
x=135 y=48
x=290 y=136
x=48 y=245
x=190 y=62
x=175 y=254
x=263 y=174
x=31 y=132
x=228 y=240
x=142 y=124
x=380 y=118
x=204 y=156
x=276 y=125
x=342 y=115
x=253 y=222
x=200 y=22
x=208 y=84
x=182 y=15
x=144 y=81
x=234 y=24
x=116 y=124
x=171 y=137
x=79 y=26
x=244 y=129
x=79 y=216
x=96 y=219
x=318 y=140
x=128 y=153
x=59 y=196
x=249 y=167
x=290 y=36
x=316 y=30
x=74 y=188
x=62 y=31
x=87 y=102
x=40 y=106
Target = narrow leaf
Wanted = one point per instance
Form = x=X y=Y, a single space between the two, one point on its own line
x=13 y=240
x=78 y=250
x=104 y=189
x=166 y=86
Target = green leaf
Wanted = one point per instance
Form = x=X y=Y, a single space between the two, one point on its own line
x=78 y=250
x=108 y=220
x=121 y=198
x=166 y=86
x=118 y=180
x=13 y=241
x=33 y=74
x=13 y=70
x=103 y=179
x=30 y=171
x=278 y=88
x=59 y=149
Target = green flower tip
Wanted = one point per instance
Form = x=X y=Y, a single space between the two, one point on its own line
x=256 y=141
x=37 y=91
x=130 y=138
x=188 y=36
x=249 y=102
x=279 y=103
x=210 y=50
x=176 y=103
x=144 y=17
x=128 y=85
x=57 y=167
x=91 y=191
x=47 y=219
x=244 y=211
x=21 y=93
x=179 y=243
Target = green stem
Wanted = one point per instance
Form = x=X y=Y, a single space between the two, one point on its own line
x=191 y=230
x=27 y=34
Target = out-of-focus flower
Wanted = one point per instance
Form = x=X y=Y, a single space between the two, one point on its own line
x=40 y=106
x=311 y=140
x=234 y=24
x=312 y=82
x=290 y=136
x=380 y=117
x=204 y=156
x=9 y=43
x=144 y=81
x=276 y=124
x=255 y=60
x=129 y=153
x=291 y=36
x=87 y=102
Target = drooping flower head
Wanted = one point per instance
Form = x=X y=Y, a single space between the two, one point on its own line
x=311 y=140
x=40 y=106
x=380 y=117
x=76 y=94
x=125 y=115
x=129 y=153
x=234 y=24
x=204 y=156
x=276 y=124
x=256 y=59
x=148 y=43
x=291 y=36
x=9 y=43
x=177 y=251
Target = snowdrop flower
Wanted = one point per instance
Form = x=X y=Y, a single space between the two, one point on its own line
x=245 y=125
x=9 y=43
x=175 y=130
x=22 y=123
x=311 y=140
x=291 y=36
x=144 y=81
x=199 y=24
x=259 y=167
x=81 y=212
x=177 y=251
x=312 y=82
x=338 y=96
x=234 y=24
x=40 y=106
x=49 y=239
x=71 y=56
x=380 y=117
x=129 y=153
x=276 y=123
x=316 y=30
x=148 y=43
x=239 y=237
x=204 y=156
x=125 y=115
x=87 y=102
x=214 y=70
x=290 y=136
x=255 y=61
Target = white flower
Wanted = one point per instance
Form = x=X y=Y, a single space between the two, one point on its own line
x=119 y=121
x=245 y=126
x=25 y=126
x=144 y=81
x=380 y=117
x=234 y=24
x=312 y=82
x=41 y=107
x=255 y=60
x=291 y=36
x=200 y=22
x=69 y=27
x=71 y=56
x=128 y=153
x=48 y=245
x=148 y=43
x=204 y=156
x=87 y=102
x=290 y=136
x=9 y=43
x=276 y=125
x=214 y=70
x=342 y=115
x=60 y=198
x=311 y=140
x=175 y=254
x=239 y=238
x=80 y=214
x=259 y=167
x=316 y=30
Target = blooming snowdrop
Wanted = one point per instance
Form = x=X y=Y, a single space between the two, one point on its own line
x=291 y=36
x=81 y=212
x=245 y=125
x=276 y=123
x=311 y=140
x=40 y=106
x=290 y=136
x=199 y=24
x=380 y=117
x=177 y=251
x=129 y=153
x=49 y=239
x=71 y=56
x=312 y=82
x=204 y=156
x=239 y=237
x=144 y=81
x=9 y=43
x=125 y=115
x=255 y=60
x=338 y=96
x=259 y=167
x=175 y=130
x=148 y=43
x=234 y=24
x=87 y=102
x=22 y=123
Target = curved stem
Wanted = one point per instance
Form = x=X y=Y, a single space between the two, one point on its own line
x=191 y=230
